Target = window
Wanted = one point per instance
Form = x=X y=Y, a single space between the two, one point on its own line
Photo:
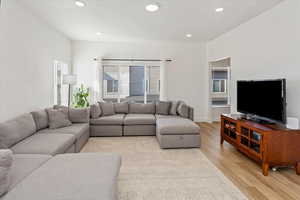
x=219 y=81
x=131 y=83
x=219 y=86
x=112 y=86
x=153 y=83
x=110 y=83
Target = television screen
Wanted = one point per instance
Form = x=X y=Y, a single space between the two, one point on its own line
x=266 y=99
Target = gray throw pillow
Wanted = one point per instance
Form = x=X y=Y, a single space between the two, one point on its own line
x=57 y=118
x=79 y=115
x=121 y=108
x=6 y=161
x=183 y=110
x=41 y=119
x=107 y=108
x=95 y=111
x=64 y=109
x=163 y=107
x=174 y=106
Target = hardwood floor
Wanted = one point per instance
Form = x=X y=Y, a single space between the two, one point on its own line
x=246 y=174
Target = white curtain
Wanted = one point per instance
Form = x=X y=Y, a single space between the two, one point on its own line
x=163 y=81
x=97 y=81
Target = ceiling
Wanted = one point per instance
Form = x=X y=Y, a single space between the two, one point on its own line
x=127 y=20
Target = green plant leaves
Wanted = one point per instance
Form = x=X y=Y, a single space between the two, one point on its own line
x=81 y=97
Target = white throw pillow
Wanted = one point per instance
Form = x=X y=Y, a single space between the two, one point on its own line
x=6 y=160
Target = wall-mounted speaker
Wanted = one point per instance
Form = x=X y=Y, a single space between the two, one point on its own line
x=292 y=123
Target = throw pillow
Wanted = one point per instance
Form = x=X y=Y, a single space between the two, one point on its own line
x=64 y=109
x=6 y=160
x=107 y=108
x=121 y=108
x=79 y=115
x=57 y=118
x=95 y=111
x=174 y=106
x=163 y=107
x=183 y=110
x=41 y=119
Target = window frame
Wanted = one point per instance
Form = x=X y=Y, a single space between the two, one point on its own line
x=146 y=67
x=220 y=86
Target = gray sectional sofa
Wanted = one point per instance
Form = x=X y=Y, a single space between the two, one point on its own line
x=45 y=142
x=171 y=122
x=40 y=167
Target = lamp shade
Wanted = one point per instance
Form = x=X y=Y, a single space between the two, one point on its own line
x=70 y=79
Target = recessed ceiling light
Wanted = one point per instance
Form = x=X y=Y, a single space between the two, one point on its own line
x=219 y=9
x=80 y=3
x=188 y=35
x=152 y=7
x=99 y=34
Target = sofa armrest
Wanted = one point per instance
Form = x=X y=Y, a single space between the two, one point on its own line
x=191 y=113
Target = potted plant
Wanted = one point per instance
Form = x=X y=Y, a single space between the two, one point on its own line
x=81 y=97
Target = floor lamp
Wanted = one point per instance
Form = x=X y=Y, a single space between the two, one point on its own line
x=69 y=79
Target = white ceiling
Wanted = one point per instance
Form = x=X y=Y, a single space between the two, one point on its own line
x=127 y=20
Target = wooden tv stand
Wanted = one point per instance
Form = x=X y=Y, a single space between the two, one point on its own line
x=270 y=145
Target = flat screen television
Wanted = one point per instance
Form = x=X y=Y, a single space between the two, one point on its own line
x=265 y=99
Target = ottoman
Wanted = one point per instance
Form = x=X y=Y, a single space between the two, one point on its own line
x=177 y=133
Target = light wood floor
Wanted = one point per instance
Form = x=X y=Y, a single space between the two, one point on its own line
x=245 y=173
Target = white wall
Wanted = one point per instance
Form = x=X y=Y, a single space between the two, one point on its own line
x=186 y=75
x=266 y=47
x=28 y=48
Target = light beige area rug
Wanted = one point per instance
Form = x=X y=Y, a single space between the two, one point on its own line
x=150 y=173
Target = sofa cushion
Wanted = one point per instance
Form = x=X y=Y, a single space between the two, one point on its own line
x=176 y=126
x=139 y=119
x=163 y=107
x=77 y=130
x=174 y=106
x=49 y=144
x=183 y=110
x=141 y=108
x=109 y=120
x=95 y=111
x=15 y=130
x=107 y=108
x=24 y=165
x=57 y=118
x=41 y=119
x=6 y=161
x=157 y=116
x=79 y=115
x=90 y=176
x=121 y=108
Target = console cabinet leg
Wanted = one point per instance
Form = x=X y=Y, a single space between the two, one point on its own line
x=265 y=169
x=298 y=168
x=222 y=140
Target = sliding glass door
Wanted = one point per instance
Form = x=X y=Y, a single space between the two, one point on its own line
x=153 y=83
x=131 y=83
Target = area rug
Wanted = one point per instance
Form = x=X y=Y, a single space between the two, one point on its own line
x=150 y=173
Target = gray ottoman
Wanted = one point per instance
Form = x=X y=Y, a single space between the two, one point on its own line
x=177 y=133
